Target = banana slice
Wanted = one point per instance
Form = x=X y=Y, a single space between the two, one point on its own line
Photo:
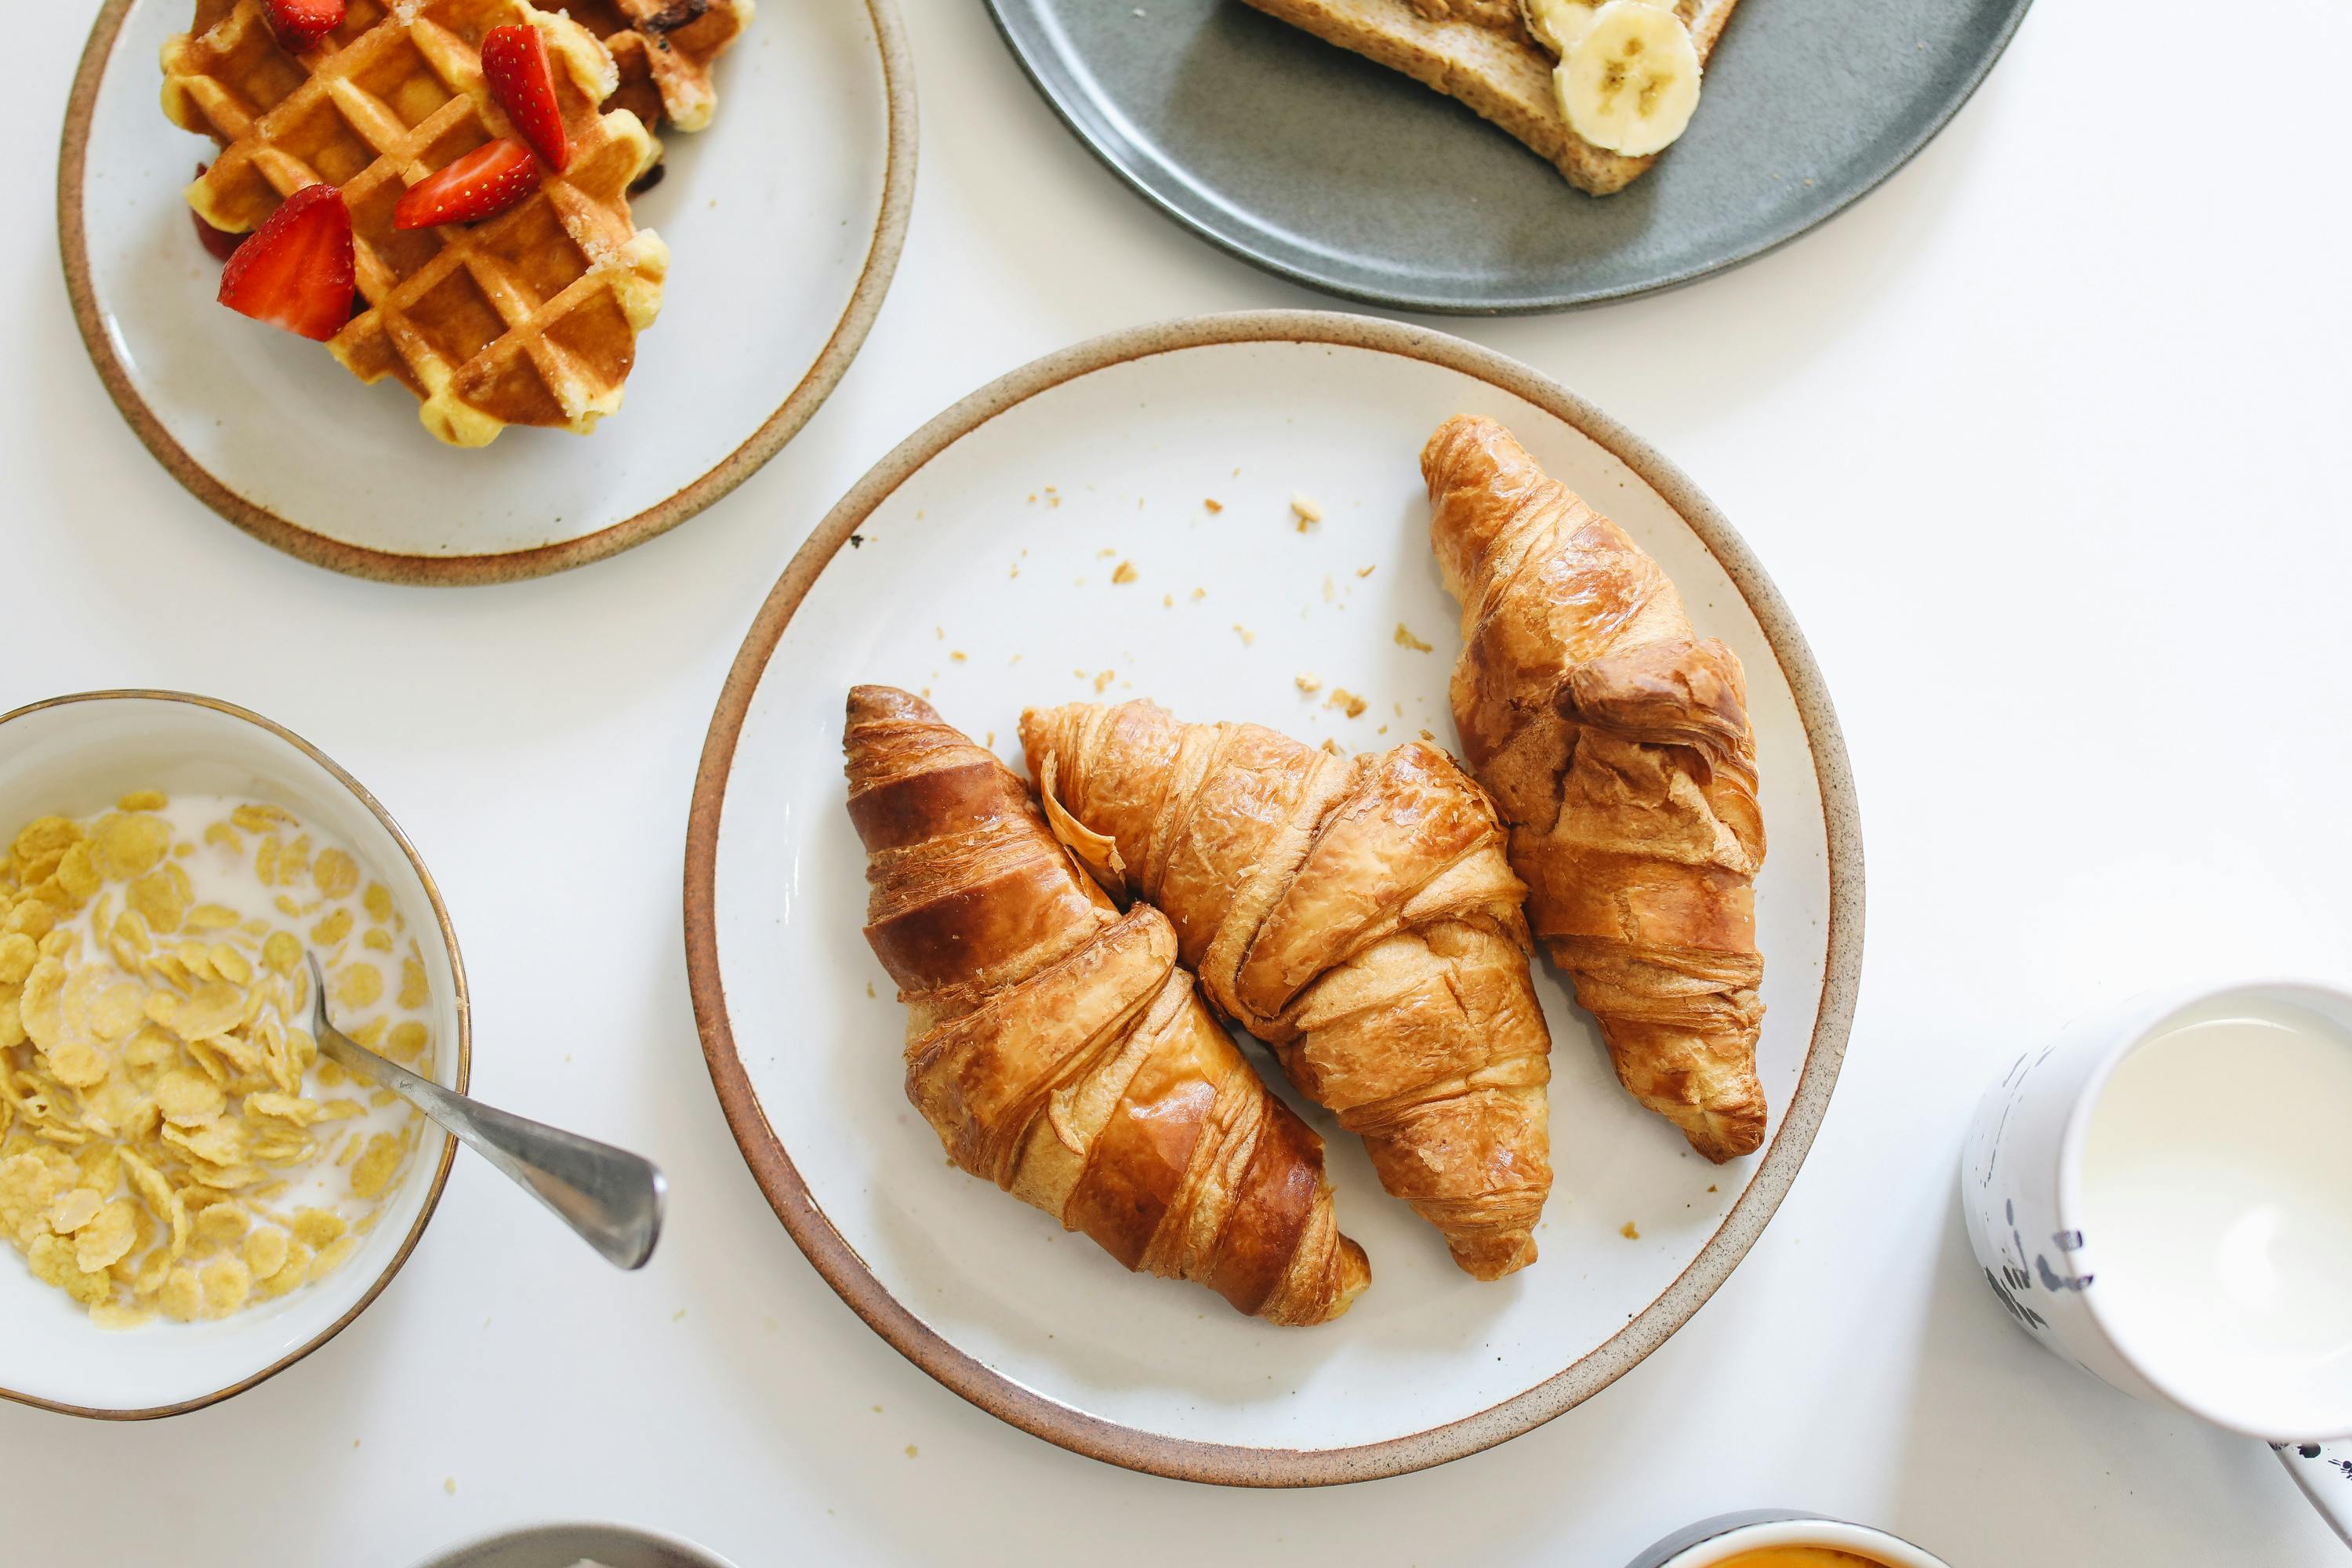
x=1557 y=24
x=1631 y=79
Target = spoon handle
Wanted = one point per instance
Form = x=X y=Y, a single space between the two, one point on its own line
x=612 y=1197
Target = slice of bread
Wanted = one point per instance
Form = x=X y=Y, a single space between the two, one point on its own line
x=1479 y=51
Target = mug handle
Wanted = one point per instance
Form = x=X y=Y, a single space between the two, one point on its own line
x=2324 y=1473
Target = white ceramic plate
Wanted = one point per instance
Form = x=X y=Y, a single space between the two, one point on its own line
x=784 y=220
x=976 y=564
x=75 y=755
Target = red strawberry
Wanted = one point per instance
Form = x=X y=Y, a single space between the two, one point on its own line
x=299 y=24
x=514 y=61
x=483 y=183
x=296 y=270
x=220 y=243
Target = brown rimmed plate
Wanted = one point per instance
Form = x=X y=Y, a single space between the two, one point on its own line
x=76 y=755
x=779 y=261
x=1049 y=538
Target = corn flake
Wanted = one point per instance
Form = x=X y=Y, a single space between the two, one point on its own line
x=156 y=1098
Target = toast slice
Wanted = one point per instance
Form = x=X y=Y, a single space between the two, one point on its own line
x=1480 y=52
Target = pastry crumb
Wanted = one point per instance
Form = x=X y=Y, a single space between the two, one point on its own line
x=1199 y=593
x=1126 y=573
x=1427 y=736
x=1102 y=682
x=1405 y=638
x=1346 y=700
x=1304 y=509
x=1213 y=503
x=910 y=1451
x=1629 y=1232
x=1247 y=635
x=1105 y=554
x=1365 y=571
x=1330 y=589
x=1310 y=683
x=956 y=655
x=449 y=1485
x=1168 y=601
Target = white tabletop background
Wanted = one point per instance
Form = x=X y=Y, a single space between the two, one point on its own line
x=2044 y=441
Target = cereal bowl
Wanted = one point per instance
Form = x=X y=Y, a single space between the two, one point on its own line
x=248 y=1286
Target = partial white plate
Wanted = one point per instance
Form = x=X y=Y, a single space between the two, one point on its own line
x=975 y=564
x=73 y=755
x=783 y=218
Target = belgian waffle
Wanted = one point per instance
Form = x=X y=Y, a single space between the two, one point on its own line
x=531 y=318
x=665 y=49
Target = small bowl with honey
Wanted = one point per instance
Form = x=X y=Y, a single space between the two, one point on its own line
x=191 y=1198
x=1783 y=1538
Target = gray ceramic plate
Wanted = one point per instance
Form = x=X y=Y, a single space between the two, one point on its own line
x=562 y=1545
x=1342 y=175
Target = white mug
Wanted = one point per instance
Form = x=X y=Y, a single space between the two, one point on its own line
x=2163 y=1197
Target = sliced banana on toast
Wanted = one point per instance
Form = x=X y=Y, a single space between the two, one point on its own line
x=1628 y=78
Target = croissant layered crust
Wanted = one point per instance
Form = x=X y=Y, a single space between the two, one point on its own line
x=1618 y=745
x=1059 y=1049
x=1359 y=916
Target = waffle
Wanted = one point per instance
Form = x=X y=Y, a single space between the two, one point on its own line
x=531 y=318
x=665 y=49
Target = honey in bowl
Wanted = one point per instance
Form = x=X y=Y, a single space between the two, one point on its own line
x=1797 y=1557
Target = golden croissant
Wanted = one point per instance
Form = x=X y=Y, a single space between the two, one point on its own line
x=1617 y=743
x=1355 y=913
x=1057 y=1046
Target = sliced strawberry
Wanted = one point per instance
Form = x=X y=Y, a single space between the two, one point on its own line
x=514 y=62
x=220 y=243
x=296 y=271
x=483 y=183
x=300 y=24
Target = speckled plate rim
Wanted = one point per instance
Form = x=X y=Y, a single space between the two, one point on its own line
x=508 y=566
x=465 y=1049
x=1234 y=1464
x=1055 y=86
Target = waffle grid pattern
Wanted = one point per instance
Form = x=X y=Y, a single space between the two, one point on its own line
x=665 y=49
x=528 y=319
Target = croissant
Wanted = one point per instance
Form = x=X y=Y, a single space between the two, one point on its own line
x=1355 y=913
x=1058 y=1049
x=1617 y=743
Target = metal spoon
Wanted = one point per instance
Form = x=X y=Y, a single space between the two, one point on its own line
x=612 y=1197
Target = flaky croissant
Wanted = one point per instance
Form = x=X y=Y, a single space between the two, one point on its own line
x=1355 y=913
x=1058 y=1049
x=1617 y=743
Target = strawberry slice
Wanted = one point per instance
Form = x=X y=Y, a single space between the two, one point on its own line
x=514 y=62
x=483 y=183
x=296 y=270
x=219 y=243
x=300 y=24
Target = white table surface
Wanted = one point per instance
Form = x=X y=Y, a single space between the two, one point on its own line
x=2043 y=443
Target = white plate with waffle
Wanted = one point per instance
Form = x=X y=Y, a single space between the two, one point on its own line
x=776 y=267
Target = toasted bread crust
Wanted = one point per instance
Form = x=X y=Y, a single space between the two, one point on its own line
x=1476 y=52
